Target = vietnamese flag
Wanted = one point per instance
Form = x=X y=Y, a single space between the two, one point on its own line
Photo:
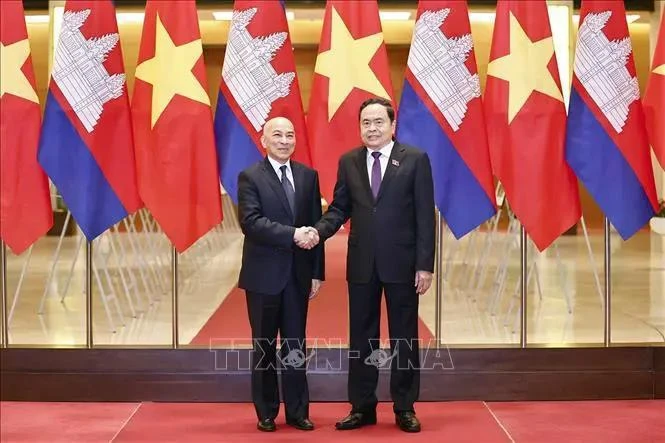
x=654 y=99
x=351 y=66
x=25 y=205
x=526 y=122
x=173 y=131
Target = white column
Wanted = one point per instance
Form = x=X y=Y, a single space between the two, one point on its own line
x=560 y=14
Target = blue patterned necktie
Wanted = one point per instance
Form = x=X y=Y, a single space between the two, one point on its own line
x=375 y=181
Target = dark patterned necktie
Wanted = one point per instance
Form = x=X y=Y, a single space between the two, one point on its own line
x=375 y=181
x=288 y=189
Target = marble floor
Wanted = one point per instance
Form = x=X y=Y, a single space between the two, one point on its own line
x=479 y=290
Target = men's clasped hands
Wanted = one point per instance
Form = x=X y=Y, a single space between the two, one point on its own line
x=306 y=237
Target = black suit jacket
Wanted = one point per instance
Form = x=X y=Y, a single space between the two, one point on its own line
x=395 y=232
x=269 y=252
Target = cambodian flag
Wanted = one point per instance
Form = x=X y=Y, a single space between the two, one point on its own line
x=441 y=113
x=86 y=146
x=606 y=142
x=258 y=83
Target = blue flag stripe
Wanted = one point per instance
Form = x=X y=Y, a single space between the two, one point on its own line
x=75 y=172
x=235 y=149
x=463 y=203
x=602 y=168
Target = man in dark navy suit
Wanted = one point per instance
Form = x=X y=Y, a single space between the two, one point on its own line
x=386 y=189
x=282 y=269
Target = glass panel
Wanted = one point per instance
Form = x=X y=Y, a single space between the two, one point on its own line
x=566 y=290
x=212 y=309
x=45 y=287
x=132 y=284
x=480 y=273
x=638 y=288
x=481 y=298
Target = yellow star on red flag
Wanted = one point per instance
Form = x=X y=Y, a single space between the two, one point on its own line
x=348 y=51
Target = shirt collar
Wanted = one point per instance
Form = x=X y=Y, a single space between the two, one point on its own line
x=276 y=165
x=386 y=150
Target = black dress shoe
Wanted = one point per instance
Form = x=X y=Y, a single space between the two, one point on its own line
x=266 y=425
x=355 y=420
x=407 y=421
x=304 y=424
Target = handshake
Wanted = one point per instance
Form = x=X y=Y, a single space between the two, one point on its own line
x=306 y=237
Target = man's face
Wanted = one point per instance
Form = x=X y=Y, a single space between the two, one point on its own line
x=279 y=139
x=376 y=129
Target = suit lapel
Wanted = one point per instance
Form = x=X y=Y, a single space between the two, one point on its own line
x=299 y=179
x=361 y=163
x=276 y=184
x=395 y=160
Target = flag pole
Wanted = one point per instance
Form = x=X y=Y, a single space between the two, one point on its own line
x=523 y=286
x=88 y=295
x=174 y=294
x=3 y=271
x=608 y=286
x=439 y=278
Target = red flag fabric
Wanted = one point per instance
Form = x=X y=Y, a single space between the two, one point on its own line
x=442 y=113
x=173 y=132
x=351 y=66
x=526 y=122
x=654 y=98
x=258 y=83
x=25 y=206
x=86 y=145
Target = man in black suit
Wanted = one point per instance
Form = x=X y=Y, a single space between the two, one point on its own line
x=281 y=270
x=386 y=189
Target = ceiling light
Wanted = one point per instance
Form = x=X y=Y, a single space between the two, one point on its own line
x=36 y=18
x=395 y=15
x=228 y=15
x=130 y=17
x=484 y=17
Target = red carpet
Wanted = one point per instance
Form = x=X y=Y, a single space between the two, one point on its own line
x=459 y=422
x=327 y=320
x=638 y=421
x=523 y=422
x=62 y=422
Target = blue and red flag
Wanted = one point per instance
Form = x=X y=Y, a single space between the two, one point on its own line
x=441 y=112
x=606 y=142
x=86 y=146
x=258 y=83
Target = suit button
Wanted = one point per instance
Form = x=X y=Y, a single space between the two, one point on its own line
x=374 y=209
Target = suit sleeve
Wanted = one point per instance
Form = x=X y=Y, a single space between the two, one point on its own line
x=425 y=216
x=318 y=271
x=339 y=209
x=252 y=221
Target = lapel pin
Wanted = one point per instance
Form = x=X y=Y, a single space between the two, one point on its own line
x=395 y=163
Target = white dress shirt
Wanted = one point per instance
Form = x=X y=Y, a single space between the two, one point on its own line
x=383 y=160
x=289 y=174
